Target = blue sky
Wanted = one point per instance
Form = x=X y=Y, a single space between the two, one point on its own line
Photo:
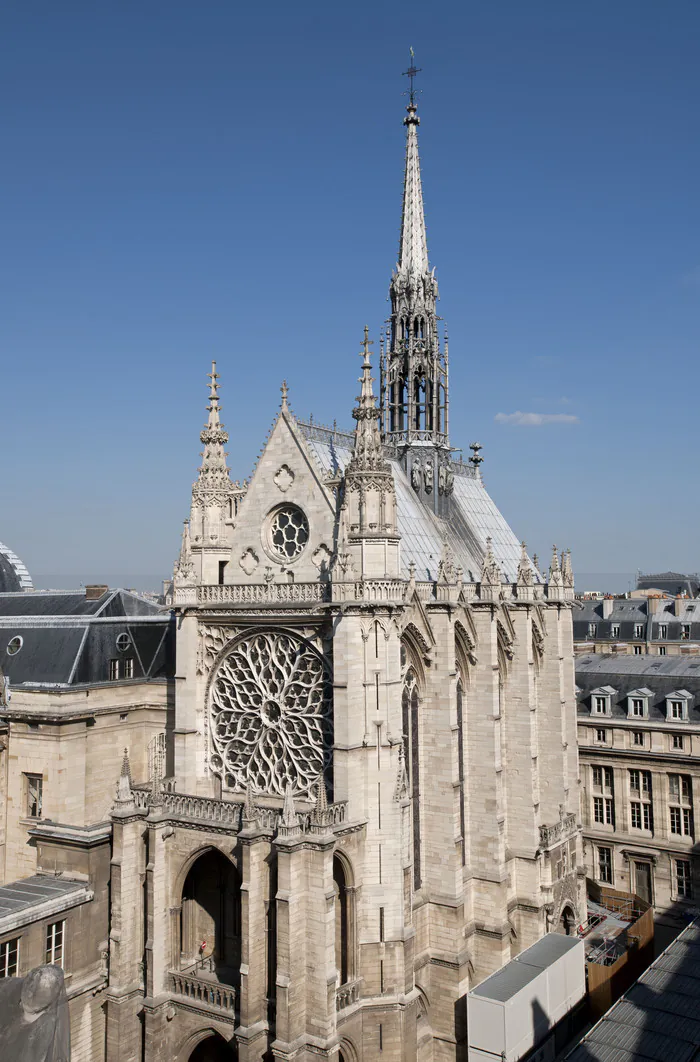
x=185 y=181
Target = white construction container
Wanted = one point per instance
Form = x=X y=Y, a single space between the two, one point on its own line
x=514 y=1010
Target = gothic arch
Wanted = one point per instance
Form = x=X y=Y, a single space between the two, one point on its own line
x=348 y=1051
x=192 y=858
x=345 y=942
x=210 y=916
x=411 y=725
x=424 y=1034
x=417 y=649
x=189 y=1046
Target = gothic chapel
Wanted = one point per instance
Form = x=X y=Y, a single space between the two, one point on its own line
x=367 y=800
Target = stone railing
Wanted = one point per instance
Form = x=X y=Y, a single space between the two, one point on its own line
x=560 y=831
x=260 y=593
x=370 y=590
x=211 y=994
x=230 y=812
x=347 y=994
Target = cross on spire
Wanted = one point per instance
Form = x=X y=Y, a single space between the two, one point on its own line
x=411 y=75
x=285 y=392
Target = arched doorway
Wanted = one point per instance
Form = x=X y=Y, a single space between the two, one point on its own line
x=214 y=1049
x=210 y=920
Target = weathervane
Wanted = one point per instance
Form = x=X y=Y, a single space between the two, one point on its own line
x=411 y=74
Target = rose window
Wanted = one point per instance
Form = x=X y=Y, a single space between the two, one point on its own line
x=270 y=714
x=288 y=531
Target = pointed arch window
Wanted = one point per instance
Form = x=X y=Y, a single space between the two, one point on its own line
x=344 y=921
x=410 y=703
x=460 y=768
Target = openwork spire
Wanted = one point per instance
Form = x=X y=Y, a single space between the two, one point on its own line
x=213 y=474
x=414 y=381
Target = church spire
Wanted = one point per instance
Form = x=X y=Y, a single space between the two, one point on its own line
x=213 y=472
x=414 y=383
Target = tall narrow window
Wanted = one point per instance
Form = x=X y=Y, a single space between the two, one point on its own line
x=34 y=795
x=9 y=957
x=605 y=873
x=410 y=705
x=343 y=922
x=460 y=766
x=54 y=943
x=680 y=799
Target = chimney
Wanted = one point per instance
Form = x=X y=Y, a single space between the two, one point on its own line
x=608 y=603
x=677 y=605
x=654 y=604
x=93 y=591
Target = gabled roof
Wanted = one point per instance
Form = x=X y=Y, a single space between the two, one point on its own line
x=474 y=517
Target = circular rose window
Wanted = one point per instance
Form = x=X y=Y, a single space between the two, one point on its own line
x=270 y=714
x=288 y=532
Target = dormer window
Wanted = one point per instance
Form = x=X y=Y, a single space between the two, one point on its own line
x=663 y=630
x=601 y=700
x=685 y=632
x=615 y=630
x=592 y=629
x=638 y=703
x=677 y=705
x=639 y=630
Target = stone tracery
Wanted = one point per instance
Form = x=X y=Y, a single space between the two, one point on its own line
x=270 y=714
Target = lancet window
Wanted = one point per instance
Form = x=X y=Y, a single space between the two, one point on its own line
x=410 y=703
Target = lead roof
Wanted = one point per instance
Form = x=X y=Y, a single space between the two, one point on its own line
x=474 y=516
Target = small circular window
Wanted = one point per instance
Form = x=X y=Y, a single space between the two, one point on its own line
x=14 y=645
x=288 y=532
x=123 y=642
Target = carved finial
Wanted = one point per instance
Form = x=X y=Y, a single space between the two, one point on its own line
x=214 y=386
x=490 y=572
x=364 y=353
x=289 y=816
x=566 y=569
x=476 y=459
x=321 y=797
x=555 y=560
x=285 y=393
x=535 y=562
x=524 y=567
x=124 y=793
x=446 y=565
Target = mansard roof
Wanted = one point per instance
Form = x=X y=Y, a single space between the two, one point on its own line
x=13 y=572
x=474 y=516
x=66 y=639
x=658 y=675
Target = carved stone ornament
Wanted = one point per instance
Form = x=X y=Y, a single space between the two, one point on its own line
x=211 y=642
x=321 y=557
x=270 y=714
x=249 y=561
x=284 y=477
x=428 y=474
x=416 y=476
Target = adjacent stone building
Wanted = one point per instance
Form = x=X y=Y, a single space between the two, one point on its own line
x=368 y=800
x=83 y=676
x=639 y=749
x=637 y=626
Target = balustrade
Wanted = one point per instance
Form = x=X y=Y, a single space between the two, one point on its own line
x=347 y=994
x=560 y=831
x=210 y=993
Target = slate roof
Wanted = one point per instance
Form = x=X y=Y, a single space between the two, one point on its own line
x=474 y=515
x=66 y=639
x=663 y=675
x=28 y=892
x=13 y=572
x=626 y=612
x=659 y=1017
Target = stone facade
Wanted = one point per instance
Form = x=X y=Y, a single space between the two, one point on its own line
x=639 y=746
x=373 y=801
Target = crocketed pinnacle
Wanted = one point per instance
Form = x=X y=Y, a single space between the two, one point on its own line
x=413 y=247
x=213 y=472
x=367 y=453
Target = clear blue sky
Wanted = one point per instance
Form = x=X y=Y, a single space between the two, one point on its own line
x=184 y=181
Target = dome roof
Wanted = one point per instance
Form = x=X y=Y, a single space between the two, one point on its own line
x=13 y=572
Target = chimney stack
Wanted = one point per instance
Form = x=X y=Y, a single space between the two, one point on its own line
x=93 y=591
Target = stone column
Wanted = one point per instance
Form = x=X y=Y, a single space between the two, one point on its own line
x=124 y=994
x=256 y=853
